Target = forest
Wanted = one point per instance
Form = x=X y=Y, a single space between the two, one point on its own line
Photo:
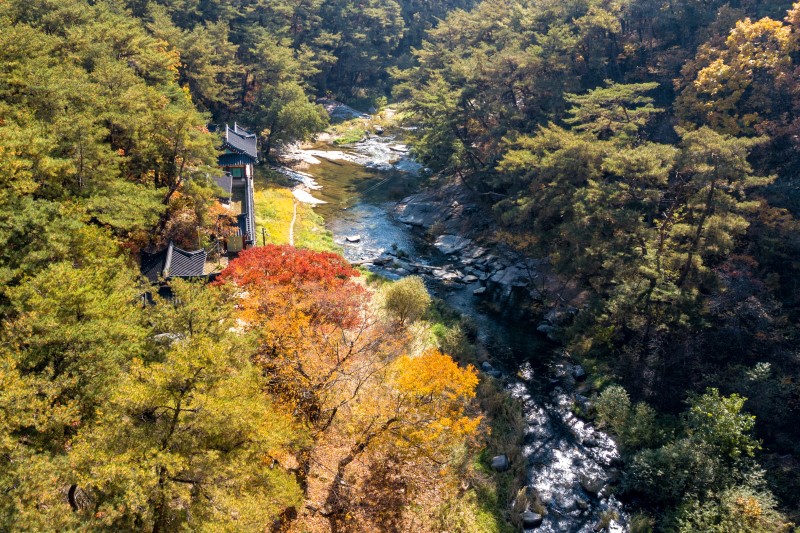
x=648 y=150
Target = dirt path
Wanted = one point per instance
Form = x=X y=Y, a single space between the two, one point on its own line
x=291 y=225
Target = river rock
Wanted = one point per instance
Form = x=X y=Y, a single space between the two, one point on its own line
x=531 y=520
x=549 y=330
x=378 y=129
x=579 y=373
x=582 y=503
x=545 y=328
x=382 y=259
x=450 y=244
x=591 y=442
x=510 y=276
x=582 y=400
x=469 y=279
x=487 y=366
x=353 y=238
x=475 y=253
x=491 y=262
x=500 y=463
x=480 y=291
x=592 y=483
x=409 y=166
x=418 y=213
x=340 y=112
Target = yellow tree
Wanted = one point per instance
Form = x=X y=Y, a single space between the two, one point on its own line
x=418 y=410
x=747 y=84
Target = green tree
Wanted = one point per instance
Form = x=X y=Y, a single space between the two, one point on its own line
x=717 y=175
x=613 y=110
x=188 y=433
x=283 y=113
x=718 y=421
x=188 y=440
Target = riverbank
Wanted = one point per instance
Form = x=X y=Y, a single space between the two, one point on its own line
x=569 y=469
x=276 y=207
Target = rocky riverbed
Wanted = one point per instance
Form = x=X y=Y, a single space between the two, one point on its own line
x=572 y=467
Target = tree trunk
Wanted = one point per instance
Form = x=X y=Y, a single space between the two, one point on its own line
x=333 y=501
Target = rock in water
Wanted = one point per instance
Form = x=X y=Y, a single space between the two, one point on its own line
x=500 y=463
x=353 y=238
x=579 y=373
x=450 y=244
x=531 y=520
x=592 y=483
x=479 y=291
x=546 y=328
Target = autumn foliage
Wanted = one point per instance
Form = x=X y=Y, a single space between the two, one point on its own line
x=287 y=265
x=292 y=281
x=347 y=372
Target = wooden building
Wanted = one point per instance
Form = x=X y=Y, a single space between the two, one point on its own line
x=238 y=160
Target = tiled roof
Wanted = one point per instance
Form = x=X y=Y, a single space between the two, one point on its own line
x=241 y=141
x=173 y=263
x=153 y=265
x=234 y=160
x=183 y=264
x=225 y=182
x=241 y=131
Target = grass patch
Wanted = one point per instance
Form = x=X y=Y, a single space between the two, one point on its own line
x=348 y=132
x=310 y=232
x=372 y=279
x=274 y=204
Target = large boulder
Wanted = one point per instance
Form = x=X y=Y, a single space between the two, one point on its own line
x=547 y=329
x=531 y=520
x=500 y=463
x=592 y=483
x=450 y=244
x=419 y=213
x=475 y=253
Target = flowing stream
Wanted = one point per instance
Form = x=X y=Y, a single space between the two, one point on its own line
x=571 y=466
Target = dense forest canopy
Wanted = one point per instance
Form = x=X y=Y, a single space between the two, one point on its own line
x=192 y=411
x=647 y=149
x=650 y=151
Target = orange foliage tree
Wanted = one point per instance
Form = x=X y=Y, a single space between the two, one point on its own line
x=318 y=337
x=345 y=371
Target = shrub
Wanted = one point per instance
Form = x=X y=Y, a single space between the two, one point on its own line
x=407 y=299
x=636 y=426
x=736 y=510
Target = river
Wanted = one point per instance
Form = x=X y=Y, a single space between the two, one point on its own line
x=571 y=466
